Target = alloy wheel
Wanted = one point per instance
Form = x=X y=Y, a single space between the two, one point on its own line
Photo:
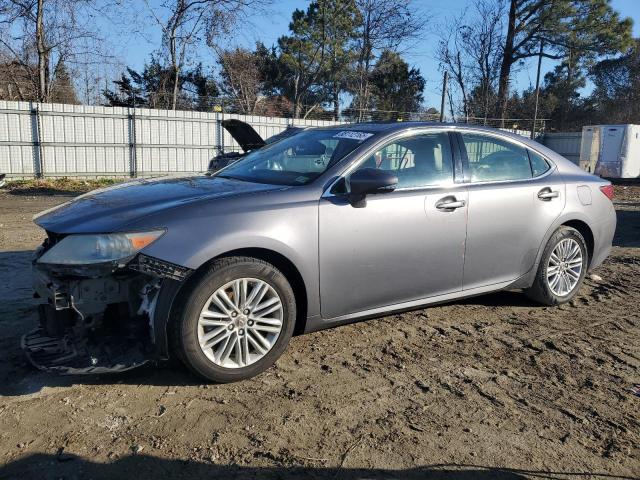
x=240 y=323
x=564 y=267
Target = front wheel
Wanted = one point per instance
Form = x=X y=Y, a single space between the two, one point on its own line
x=236 y=320
x=562 y=268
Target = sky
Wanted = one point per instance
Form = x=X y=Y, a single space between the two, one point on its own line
x=268 y=27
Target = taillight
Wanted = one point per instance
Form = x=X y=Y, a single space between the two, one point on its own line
x=608 y=191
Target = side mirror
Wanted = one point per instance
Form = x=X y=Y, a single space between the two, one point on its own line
x=369 y=181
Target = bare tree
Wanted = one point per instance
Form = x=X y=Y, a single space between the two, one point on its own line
x=471 y=51
x=241 y=78
x=42 y=36
x=450 y=54
x=188 y=22
x=386 y=24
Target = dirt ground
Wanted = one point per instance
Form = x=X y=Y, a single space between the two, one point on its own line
x=492 y=387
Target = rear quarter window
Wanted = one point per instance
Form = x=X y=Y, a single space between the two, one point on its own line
x=538 y=164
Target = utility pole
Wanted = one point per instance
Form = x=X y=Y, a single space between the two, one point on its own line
x=444 y=94
x=535 y=114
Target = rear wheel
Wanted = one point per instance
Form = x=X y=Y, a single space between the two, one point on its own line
x=562 y=268
x=236 y=321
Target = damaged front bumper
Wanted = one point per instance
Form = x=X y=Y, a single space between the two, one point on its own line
x=102 y=318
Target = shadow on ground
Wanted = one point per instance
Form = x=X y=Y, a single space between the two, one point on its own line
x=44 y=466
x=26 y=379
x=507 y=298
x=627 y=229
x=52 y=192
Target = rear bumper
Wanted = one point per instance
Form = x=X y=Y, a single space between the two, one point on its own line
x=603 y=233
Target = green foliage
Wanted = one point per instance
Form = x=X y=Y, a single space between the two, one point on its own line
x=561 y=95
x=152 y=88
x=314 y=58
x=303 y=58
x=307 y=73
x=579 y=30
x=616 y=97
x=17 y=83
x=396 y=88
x=330 y=51
x=596 y=29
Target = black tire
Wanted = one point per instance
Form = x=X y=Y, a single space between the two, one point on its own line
x=540 y=290
x=184 y=336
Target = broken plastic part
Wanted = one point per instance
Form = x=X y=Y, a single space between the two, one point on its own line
x=62 y=355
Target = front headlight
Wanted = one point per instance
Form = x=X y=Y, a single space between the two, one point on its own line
x=92 y=249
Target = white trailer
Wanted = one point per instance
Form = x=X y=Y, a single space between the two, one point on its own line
x=611 y=151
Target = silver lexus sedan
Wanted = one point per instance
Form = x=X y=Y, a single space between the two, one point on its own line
x=326 y=227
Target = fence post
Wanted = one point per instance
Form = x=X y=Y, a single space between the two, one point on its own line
x=36 y=138
x=219 y=133
x=133 y=162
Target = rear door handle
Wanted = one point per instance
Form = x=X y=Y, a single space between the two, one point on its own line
x=548 y=194
x=449 y=203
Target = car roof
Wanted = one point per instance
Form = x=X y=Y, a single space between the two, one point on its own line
x=376 y=126
x=392 y=126
x=387 y=128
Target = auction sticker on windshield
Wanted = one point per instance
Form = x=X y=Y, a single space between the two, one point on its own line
x=360 y=136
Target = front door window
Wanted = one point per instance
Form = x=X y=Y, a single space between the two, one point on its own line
x=420 y=161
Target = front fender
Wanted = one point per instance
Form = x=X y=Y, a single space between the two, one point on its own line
x=284 y=224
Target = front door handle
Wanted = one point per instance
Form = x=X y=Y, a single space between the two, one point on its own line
x=449 y=203
x=547 y=194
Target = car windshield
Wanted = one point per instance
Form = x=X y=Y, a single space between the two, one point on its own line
x=297 y=160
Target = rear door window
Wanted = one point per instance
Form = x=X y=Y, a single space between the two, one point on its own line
x=492 y=159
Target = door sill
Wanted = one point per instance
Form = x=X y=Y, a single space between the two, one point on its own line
x=400 y=307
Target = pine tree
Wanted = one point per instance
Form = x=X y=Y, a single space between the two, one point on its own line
x=396 y=88
x=556 y=29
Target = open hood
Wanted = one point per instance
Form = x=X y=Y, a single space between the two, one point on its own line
x=244 y=134
x=249 y=139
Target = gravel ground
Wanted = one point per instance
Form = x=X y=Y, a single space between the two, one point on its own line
x=492 y=387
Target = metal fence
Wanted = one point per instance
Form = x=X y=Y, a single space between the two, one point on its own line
x=521 y=126
x=566 y=144
x=55 y=140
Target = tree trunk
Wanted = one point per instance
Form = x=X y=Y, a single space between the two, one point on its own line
x=174 y=96
x=43 y=55
x=507 y=62
x=173 y=50
x=463 y=89
x=336 y=101
x=363 y=100
x=296 y=98
x=566 y=101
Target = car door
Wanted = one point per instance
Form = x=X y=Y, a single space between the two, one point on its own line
x=514 y=197
x=402 y=246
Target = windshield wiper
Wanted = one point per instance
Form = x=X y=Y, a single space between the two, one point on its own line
x=227 y=176
x=240 y=179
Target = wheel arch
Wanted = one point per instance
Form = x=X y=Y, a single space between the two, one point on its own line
x=288 y=269
x=574 y=221
x=171 y=292
x=587 y=234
